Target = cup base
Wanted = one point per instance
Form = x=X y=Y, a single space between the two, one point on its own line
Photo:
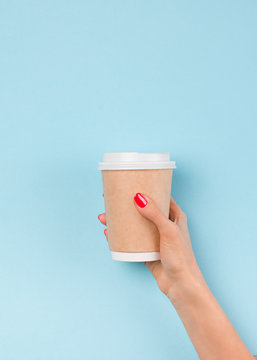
x=135 y=257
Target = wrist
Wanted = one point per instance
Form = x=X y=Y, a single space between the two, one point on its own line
x=187 y=289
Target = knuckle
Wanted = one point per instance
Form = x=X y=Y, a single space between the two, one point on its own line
x=166 y=229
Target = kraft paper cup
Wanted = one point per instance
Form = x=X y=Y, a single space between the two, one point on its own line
x=131 y=236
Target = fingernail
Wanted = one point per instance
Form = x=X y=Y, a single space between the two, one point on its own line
x=140 y=200
x=105 y=231
x=99 y=217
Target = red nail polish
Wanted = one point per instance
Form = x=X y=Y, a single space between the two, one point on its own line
x=140 y=200
x=99 y=216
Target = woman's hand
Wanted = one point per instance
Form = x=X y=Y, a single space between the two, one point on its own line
x=178 y=276
x=177 y=258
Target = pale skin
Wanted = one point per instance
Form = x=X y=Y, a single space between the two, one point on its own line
x=178 y=276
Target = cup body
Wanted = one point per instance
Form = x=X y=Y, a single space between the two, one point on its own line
x=131 y=236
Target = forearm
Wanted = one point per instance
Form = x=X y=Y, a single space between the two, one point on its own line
x=209 y=329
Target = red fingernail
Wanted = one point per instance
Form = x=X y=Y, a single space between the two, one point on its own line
x=99 y=216
x=105 y=231
x=140 y=200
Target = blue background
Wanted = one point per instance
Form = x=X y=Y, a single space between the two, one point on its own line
x=80 y=78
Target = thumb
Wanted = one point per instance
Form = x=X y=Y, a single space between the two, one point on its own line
x=147 y=207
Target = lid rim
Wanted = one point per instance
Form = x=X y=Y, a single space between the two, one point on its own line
x=131 y=166
x=136 y=160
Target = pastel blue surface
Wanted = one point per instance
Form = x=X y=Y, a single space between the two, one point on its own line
x=80 y=78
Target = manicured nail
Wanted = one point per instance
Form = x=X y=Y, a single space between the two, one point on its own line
x=99 y=217
x=140 y=200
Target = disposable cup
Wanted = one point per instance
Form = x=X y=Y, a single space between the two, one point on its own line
x=131 y=236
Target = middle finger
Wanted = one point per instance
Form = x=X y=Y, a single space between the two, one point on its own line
x=102 y=218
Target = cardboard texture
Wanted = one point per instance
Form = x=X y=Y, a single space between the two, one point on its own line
x=128 y=230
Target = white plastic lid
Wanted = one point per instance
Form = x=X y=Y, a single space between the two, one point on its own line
x=135 y=160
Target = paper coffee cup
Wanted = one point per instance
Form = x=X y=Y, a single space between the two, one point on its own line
x=131 y=236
